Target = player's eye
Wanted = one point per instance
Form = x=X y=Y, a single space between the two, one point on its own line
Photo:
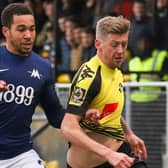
x=114 y=44
x=21 y=29
x=124 y=44
x=32 y=28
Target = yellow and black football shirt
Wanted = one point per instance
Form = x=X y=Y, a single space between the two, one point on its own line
x=98 y=87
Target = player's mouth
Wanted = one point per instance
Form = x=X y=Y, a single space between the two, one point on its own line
x=27 y=45
x=119 y=59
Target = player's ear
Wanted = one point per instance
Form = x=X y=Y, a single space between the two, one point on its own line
x=5 y=31
x=97 y=43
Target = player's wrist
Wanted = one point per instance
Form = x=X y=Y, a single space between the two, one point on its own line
x=105 y=152
x=128 y=135
x=100 y=149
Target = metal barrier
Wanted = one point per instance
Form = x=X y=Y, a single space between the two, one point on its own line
x=148 y=120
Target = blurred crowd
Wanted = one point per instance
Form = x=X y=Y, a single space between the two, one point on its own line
x=66 y=33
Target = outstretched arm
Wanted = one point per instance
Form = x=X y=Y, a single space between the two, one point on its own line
x=72 y=131
x=136 y=143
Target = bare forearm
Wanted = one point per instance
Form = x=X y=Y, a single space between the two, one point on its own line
x=73 y=133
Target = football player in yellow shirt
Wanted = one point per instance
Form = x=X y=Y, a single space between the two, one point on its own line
x=98 y=85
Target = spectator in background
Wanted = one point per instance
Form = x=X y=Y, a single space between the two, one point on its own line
x=148 y=59
x=140 y=23
x=61 y=25
x=40 y=15
x=83 y=46
x=103 y=8
x=76 y=50
x=66 y=52
x=30 y=4
x=87 y=42
x=123 y=7
x=64 y=8
x=42 y=35
x=65 y=44
x=71 y=50
x=70 y=23
x=48 y=50
x=148 y=101
x=59 y=37
x=90 y=12
x=74 y=8
x=78 y=47
x=161 y=24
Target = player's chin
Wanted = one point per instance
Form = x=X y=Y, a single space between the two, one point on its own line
x=118 y=63
x=28 y=48
x=26 y=51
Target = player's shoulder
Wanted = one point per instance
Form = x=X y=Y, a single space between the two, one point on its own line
x=93 y=63
x=87 y=72
x=119 y=72
x=39 y=59
x=2 y=47
x=90 y=66
x=3 y=51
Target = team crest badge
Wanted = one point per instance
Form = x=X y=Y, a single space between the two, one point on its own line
x=78 y=95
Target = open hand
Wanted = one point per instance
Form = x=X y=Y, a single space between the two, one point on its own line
x=119 y=160
x=137 y=145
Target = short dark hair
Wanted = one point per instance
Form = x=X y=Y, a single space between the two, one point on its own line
x=88 y=30
x=14 y=9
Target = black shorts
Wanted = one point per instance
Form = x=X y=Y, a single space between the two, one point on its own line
x=138 y=164
x=124 y=148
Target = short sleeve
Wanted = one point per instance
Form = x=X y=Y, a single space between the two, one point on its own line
x=84 y=88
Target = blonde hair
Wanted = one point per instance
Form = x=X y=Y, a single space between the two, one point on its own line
x=114 y=25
